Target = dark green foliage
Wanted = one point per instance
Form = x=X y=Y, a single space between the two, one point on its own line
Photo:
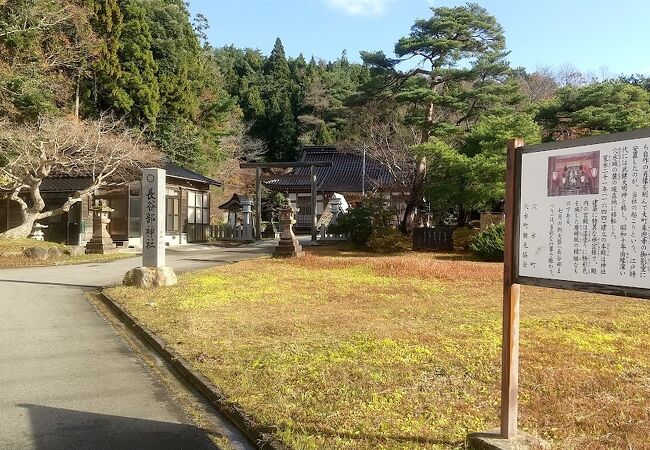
x=373 y=215
x=594 y=109
x=463 y=237
x=138 y=67
x=489 y=244
x=356 y=222
x=123 y=78
x=290 y=102
x=389 y=240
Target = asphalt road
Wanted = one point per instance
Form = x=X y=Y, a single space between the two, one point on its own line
x=67 y=380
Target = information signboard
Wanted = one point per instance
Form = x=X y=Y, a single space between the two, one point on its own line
x=581 y=219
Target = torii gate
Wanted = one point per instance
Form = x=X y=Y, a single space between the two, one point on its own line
x=284 y=165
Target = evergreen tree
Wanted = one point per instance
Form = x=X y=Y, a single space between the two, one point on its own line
x=277 y=67
x=446 y=97
x=124 y=78
x=138 y=67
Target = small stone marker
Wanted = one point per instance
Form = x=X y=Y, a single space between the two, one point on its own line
x=153 y=272
x=288 y=245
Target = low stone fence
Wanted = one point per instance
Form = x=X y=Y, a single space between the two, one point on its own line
x=433 y=239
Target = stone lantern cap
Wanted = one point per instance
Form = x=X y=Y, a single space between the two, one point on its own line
x=102 y=208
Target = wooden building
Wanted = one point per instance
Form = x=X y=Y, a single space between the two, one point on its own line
x=349 y=177
x=187 y=209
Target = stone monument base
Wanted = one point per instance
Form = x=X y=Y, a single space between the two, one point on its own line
x=100 y=246
x=150 y=277
x=288 y=248
x=492 y=441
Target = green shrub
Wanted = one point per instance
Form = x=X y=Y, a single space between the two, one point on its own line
x=357 y=222
x=388 y=240
x=463 y=237
x=488 y=245
x=372 y=215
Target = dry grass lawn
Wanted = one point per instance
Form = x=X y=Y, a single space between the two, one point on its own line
x=345 y=350
x=11 y=254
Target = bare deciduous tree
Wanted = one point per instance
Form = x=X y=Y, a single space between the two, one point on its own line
x=378 y=128
x=234 y=148
x=103 y=150
x=539 y=85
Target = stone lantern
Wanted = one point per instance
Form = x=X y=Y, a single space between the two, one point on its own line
x=247 y=209
x=288 y=245
x=335 y=206
x=37 y=231
x=101 y=241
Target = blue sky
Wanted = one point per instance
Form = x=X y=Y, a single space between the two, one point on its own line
x=610 y=37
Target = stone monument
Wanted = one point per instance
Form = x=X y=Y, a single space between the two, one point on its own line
x=153 y=272
x=101 y=242
x=288 y=245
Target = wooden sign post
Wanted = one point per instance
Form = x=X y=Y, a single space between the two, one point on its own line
x=576 y=218
x=510 y=342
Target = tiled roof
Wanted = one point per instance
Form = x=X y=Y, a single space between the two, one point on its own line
x=176 y=171
x=65 y=184
x=234 y=203
x=343 y=176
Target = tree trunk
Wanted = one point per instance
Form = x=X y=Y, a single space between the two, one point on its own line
x=417 y=191
x=24 y=229
x=462 y=216
x=29 y=215
x=76 y=96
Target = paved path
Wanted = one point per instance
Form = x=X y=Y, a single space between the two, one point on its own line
x=67 y=380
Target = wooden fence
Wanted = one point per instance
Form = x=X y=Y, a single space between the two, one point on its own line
x=225 y=232
x=433 y=239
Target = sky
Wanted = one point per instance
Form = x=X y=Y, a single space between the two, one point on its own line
x=606 y=38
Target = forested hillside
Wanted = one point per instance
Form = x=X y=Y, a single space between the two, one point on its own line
x=437 y=113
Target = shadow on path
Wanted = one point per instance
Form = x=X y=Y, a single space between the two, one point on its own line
x=51 y=283
x=55 y=428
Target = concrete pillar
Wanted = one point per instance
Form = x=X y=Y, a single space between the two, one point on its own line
x=153 y=272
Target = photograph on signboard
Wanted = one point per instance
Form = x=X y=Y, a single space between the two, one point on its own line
x=575 y=174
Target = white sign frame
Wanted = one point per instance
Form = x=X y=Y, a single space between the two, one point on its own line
x=563 y=283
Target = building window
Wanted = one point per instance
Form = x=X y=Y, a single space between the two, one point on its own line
x=198 y=207
x=134 y=212
x=303 y=217
x=173 y=215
